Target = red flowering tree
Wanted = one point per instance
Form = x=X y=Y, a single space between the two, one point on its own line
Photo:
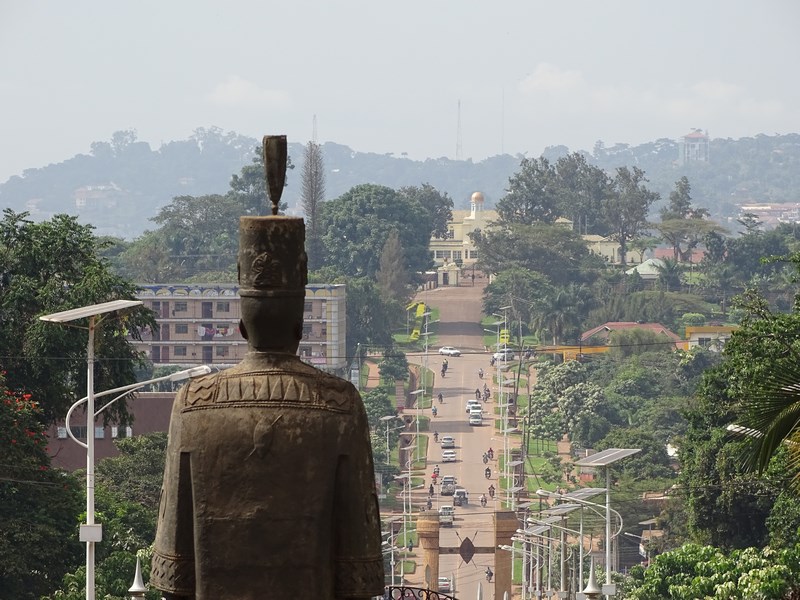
x=39 y=506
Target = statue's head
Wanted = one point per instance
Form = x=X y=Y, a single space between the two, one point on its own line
x=273 y=274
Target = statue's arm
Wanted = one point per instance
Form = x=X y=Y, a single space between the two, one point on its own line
x=172 y=569
x=359 y=569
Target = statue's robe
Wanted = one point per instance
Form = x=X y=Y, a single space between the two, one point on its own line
x=269 y=488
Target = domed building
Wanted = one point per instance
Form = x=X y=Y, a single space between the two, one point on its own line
x=457 y=248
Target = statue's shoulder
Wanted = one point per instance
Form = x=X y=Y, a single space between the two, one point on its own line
x=287 y=384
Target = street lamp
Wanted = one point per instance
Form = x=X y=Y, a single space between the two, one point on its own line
x=386 y=420
x=420 y=392
x=605 y=459
x=90 y=533
x=580 y=496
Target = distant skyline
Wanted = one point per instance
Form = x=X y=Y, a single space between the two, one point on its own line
x=388 y=77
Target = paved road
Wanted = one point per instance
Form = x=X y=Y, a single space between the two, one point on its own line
x=459 y=326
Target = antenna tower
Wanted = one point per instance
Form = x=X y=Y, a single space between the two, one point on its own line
x=314 y=130
x=458 y=133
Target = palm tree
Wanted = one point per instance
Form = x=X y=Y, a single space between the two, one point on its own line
x=561 y=310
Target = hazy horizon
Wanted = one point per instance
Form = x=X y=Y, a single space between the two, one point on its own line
x=384 y=78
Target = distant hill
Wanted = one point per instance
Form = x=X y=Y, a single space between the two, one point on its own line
x=124 y=182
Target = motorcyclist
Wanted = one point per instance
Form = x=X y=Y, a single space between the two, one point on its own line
x=436 y=470
x=489 y=574
x=491 y=491
x=483 y=500
x=485 y=458
x=480 y=373
x=430 y=504
x=436 y=436
x=430 y=490
x=490 y=453
x=441 y=398
x=434 y=411
x=488 y=472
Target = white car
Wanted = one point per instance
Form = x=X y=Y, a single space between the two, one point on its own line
x=507 y=354
x=444 y=585
x=473 y=405
x=449 y=351
x=448 y=441
x=448 y=456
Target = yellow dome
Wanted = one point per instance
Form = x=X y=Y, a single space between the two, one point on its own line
x=477 y=197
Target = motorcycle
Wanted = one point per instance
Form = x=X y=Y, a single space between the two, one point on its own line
x=485 y=458
x=488 y=472
x=441 y=398
x=491 y=491
x=483 y=501
x=434 y=411
x=435 y=436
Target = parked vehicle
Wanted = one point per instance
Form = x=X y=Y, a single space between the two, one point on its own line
x=446 y=515
x=448 y=441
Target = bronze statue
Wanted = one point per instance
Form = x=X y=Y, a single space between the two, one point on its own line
x=269 y=486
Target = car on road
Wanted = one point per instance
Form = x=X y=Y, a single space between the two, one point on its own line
x=448 y=485
x=460 y=497
x=473 y=404
x=449 y=351
x=476 y=417
x=448 y=456
x=446 y=515
x=448 y=441
x=444 y=585
x=505 y=354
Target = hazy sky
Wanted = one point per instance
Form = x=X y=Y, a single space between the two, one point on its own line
x=388 y=76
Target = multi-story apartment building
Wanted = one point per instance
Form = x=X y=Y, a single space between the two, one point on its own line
x=199 y=324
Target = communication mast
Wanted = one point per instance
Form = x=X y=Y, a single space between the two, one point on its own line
x=458 y=133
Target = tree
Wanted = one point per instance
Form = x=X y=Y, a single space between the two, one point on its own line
x=582 y=190
x=312 y=195
x=437 y=205
x=561 y=312
x=39 y=505
x=532 y=195
x=695 y=571
x=519 y=288
x=201 y=233
x=356 y=225
x=50 y=267
x=556 y=252
x=249 y=188
x=137 y=472
x=682 y=226
x=369 y=319
x=392 y=275
x=394 y=366
x=626 y=207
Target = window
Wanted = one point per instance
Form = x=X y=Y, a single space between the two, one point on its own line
x=114 y=432
x=181 y=307
x=62 y=433
x=456 y=254
x=180 y=350
x=324 y=330
x=306 y=330
x=156 y=306
x=443 y=254
x=223 y=306
x=704 y=342
x=121 y=432
x=181 y=328
x=78 y=431
x=99 y=433
x=307 y=307
x=222 y=351
x=473 y=254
